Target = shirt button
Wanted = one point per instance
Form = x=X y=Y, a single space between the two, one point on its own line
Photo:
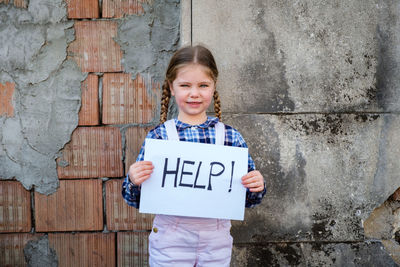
x=155 y=230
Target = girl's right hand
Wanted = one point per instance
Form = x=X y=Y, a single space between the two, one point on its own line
x=140 y=171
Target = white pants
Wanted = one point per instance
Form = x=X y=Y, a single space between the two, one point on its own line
x=187 y=241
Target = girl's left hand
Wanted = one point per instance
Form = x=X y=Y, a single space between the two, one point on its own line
x=254 y=181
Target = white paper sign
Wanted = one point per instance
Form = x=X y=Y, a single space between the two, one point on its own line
x=194 y=179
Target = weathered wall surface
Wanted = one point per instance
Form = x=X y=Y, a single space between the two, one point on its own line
x=46 y=95
x=79 y=89
x=314 y=88
x=312 y=85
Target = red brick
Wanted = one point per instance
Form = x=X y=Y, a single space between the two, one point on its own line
x=94 y=49
x=76 y=206
x=15 y=207
x=121 y=216
x=132 y=249
x=17 y=3
x=129 y=101
x=86 y=249
x=83 y=9
x=12 y=248
x=134 y=137
x=6 y=99
x=120 y=8
x=89 y=113
x=92 y=152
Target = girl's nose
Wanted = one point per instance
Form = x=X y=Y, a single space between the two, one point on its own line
x=194 y=92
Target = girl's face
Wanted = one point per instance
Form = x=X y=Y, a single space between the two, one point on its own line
x=193 y=89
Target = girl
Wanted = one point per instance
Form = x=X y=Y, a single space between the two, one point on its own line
x=186 y=241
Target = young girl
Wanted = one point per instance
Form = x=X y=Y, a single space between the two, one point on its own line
x=187 y=241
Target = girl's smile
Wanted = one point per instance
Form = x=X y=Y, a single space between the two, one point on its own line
x=193 y=89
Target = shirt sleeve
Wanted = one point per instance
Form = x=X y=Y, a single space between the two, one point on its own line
x=130 y=191
x=252 y=198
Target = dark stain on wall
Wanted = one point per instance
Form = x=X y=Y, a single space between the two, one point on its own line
x=290 y=253
x=265 y=76
x=278 y=254
x=388 y=71
x=330 y=125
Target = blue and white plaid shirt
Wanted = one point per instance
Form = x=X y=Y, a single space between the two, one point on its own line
x=202 y=133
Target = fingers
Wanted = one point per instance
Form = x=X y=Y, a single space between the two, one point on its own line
x=140 y=171
x=254 y=181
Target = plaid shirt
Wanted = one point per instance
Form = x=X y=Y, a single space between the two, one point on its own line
x=203 y=133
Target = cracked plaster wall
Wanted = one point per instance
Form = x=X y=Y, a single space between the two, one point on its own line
x=33 y=55
x=149 y=41
x=47 y=92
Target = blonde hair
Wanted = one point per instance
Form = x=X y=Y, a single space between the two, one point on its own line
x=188 y=55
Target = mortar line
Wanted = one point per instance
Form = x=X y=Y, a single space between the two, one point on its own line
x=191 y=22
x=100 y=98
x=81 y=232
x=116 y=248
x=100 y=8
x=123 y=144
x=312 y=113
x=104 y=198
x=307 y=241
x=33 y=226
x=86 y=179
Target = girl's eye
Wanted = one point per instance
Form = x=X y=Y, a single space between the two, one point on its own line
x=204 y=85
x=184 y=85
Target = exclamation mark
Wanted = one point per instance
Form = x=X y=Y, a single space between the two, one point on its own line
x=230 y=186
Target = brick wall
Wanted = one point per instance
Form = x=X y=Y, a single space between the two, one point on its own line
x=86 y=220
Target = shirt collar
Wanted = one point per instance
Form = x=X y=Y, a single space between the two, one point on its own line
x=211 y=121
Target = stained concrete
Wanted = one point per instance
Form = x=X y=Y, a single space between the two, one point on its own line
x=360 y=254
x=47 y=92
x=313 y=86
x=322 y=173
x=303 y=56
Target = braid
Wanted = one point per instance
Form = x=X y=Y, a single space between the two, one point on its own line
x=166 y=95
x=217 y=105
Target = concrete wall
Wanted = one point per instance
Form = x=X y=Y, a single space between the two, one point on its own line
x=314 y=87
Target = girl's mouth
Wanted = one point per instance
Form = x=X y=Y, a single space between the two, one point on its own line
x=193 y=103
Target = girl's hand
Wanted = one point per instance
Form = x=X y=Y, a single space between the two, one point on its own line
x=253 y=181
x=140 y=171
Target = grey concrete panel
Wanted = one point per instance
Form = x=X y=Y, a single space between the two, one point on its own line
x=325 y=173
x=312 y=254
x=186 y=23
x=303 y=56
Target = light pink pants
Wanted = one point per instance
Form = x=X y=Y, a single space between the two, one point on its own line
x=187 y=241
